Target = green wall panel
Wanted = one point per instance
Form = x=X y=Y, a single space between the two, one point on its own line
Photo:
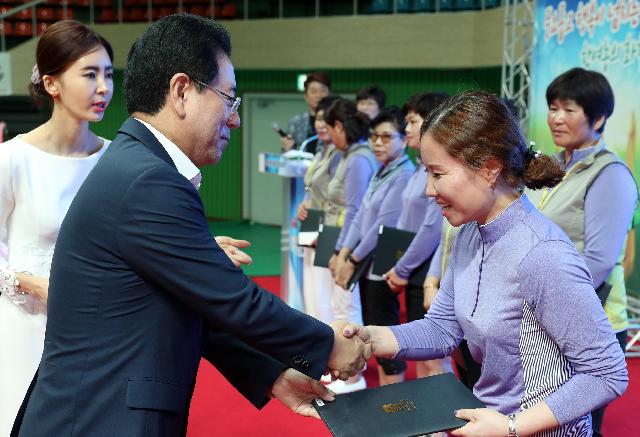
x=116 y=113
x=222 y=184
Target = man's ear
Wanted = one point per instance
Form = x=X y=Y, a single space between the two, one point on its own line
x=180 y=87
x=491 y=170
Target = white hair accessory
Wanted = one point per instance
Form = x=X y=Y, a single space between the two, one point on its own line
x=35 y=75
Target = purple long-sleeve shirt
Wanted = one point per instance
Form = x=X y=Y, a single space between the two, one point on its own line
x=605 y=229
x=522 y=296
x=356 y=180
x=422 y=215
x=382 y=208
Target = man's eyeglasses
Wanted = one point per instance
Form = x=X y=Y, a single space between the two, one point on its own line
x=233 y=101
x=386 y=138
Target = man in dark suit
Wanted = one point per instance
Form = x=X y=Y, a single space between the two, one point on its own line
x=139 y=289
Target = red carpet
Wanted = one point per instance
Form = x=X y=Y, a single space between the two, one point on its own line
x=218 y=410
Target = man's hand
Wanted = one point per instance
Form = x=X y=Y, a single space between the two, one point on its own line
x=483 y=422
x=349 y=355
x=296 y=391
x=232 y=248
x=395 y=282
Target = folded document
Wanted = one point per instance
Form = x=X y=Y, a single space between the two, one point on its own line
x=405 y=409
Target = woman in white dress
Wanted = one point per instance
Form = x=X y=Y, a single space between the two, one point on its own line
x=40 y=173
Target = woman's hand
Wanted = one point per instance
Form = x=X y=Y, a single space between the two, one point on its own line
x=35 y=285
x=302 y=211
x=430 y=289
x=483 y=422
x=344 y=273
x=395 y=282
x=380 y=340
x=333 y=264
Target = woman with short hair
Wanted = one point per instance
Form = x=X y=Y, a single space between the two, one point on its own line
x=420 y=214
x=349 y=130
x=317 y=282
x=381 y=206
x=595 y=201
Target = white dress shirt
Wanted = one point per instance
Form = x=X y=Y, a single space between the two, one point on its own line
x=182 y=162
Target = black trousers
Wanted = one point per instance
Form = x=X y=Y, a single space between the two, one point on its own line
x=380 y=306
x=414 y=300
x=597 y=416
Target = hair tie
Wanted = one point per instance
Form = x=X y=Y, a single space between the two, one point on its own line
x=35 y=75
x=531 y=154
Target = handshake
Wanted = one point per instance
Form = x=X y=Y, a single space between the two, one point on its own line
x=350 y=352
x=352 y=349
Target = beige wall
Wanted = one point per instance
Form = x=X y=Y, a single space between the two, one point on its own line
x=445 y=40
x=461 y=39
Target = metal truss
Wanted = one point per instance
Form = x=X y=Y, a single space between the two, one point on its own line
x=518 y=44
x=633 y=333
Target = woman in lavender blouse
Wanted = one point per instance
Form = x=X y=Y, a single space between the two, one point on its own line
x=382 y=205
x=348 y=129
x=516 y=287
x=420 y=214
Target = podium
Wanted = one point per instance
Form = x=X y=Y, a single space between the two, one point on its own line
x=291 y=166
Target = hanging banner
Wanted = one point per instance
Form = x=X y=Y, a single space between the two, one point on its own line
x=600 y=35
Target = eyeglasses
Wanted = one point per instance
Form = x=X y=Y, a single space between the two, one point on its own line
x=233 y=101
x=386 y=138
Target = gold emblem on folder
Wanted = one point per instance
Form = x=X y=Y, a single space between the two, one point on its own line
x=404 y=405
x=399 y=253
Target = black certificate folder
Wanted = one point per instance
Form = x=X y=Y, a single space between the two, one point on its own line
x=308 y=233
x=392 y=244
x=327 y=239
x=405 y=409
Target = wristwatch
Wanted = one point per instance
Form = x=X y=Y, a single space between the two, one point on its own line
x=352 y=260
x=512 y=426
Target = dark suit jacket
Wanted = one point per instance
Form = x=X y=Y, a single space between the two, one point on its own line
x=136 y=275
